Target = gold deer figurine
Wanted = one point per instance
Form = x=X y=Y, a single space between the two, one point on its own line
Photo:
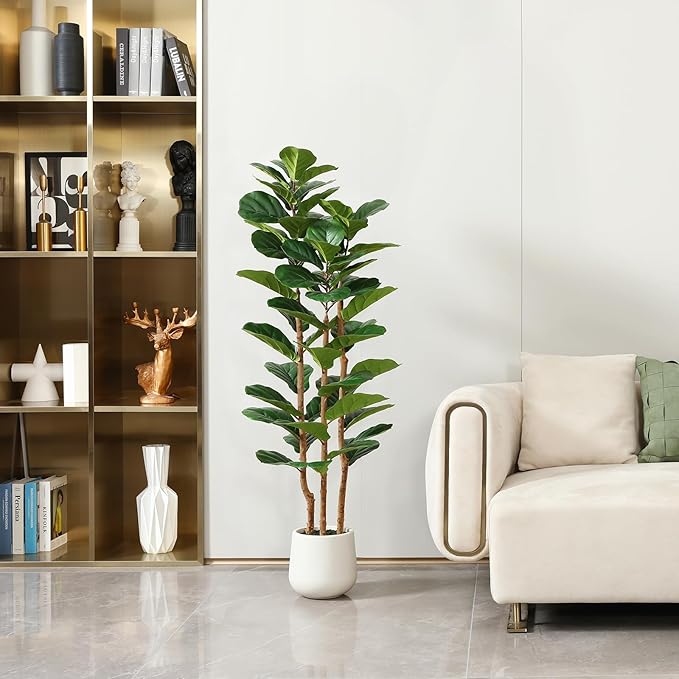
x=155 y=377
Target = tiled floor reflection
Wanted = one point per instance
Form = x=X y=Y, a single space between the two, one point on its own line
x=221 y=622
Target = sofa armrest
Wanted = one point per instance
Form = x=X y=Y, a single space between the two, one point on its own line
x=473 y=447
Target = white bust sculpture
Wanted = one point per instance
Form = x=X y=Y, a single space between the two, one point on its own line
x=129 y=201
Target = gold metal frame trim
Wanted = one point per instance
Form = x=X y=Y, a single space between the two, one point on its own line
x=446 y=479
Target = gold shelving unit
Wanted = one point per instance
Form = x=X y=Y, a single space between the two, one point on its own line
x=65 y=296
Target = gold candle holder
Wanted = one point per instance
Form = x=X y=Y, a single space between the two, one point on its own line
x=44 y=226
x=80 y=219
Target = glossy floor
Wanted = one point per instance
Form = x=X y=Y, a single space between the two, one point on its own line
x=222 y=623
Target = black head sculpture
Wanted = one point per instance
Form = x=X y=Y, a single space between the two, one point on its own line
x=183 y=161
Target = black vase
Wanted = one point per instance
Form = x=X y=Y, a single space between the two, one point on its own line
x=69 y=60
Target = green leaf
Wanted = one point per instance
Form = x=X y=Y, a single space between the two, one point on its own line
x=295 y=276
x=324 y=356
x=297 y=226
x=281 y=235
x=354 y=226
x=308 y=341
x=269 y=416
x=361 y=451
x=312 y=201
x=272 y=336
x=366 y=248
x=302 y=252
x=283 y=192
x=327 y=251
x=349 y=383
x=374 y=366
x=343 y=273
x=269 y=395
x=259 y=206
x=268 y=244
x=268 y=280
x=332 y=296
x=337 y=208
x=281 y=164
x=273 y=457
x=320 y=431
x=362 y=302
x=297 y=161
x=353 y=418
x=291 y=307
x=327 y=231
x=308 y=187
x=288 y=373
x=371 y=208
x=315 y=171
x=360 y=286
x=293 y=440
x=313 y=409
x=271 y=171
x=373 y=431
x=351 y=403
x=351 y=446
x=359 y=335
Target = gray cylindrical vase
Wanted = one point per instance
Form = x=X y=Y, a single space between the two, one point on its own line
x=69 y=60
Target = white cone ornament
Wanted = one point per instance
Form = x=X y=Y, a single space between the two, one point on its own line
x=157 y=504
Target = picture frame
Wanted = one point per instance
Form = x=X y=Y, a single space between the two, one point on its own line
x=62 y=169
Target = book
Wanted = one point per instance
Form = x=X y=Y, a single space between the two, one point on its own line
x=182 y=66
x=18 y=515
x=133 y=89
x=53 y=513
x=31 y=516
x=157 y=61
x=122 y=68
x=145 y=62
x=6 y=517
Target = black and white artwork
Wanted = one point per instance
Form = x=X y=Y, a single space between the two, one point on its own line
x=62 y=171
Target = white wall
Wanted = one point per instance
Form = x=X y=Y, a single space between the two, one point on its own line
x=600 y=176
x=417 y=103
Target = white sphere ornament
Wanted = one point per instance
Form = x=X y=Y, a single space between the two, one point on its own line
x=157 y=504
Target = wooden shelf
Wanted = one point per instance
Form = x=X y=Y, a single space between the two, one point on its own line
x=16 y=103
x=19 y=407
x=113 y=104
x=131 y=554
x=129 y=403
x=72 y=553
x=145 y=254
x=35 y=254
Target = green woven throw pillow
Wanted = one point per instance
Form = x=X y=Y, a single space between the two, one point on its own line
x=660 y=401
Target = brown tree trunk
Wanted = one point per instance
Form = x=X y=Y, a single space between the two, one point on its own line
x=323 y=521
x=344 y=462
x=308 y=495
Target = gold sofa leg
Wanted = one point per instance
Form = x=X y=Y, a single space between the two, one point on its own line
x=516 y=623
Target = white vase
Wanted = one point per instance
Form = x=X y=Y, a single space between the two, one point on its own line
x=157 y=503
x=322 y=566
x=35 y=55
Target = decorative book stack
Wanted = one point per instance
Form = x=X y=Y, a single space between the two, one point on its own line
x=33 y=515
x=152 y=62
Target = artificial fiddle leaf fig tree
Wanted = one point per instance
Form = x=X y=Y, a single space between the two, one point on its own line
x=311 y=239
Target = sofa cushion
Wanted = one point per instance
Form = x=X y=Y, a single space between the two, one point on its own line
x=578 y=410
x=586 y=534
x=660 y=404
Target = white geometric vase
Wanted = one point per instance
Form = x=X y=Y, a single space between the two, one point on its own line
x=157 y=503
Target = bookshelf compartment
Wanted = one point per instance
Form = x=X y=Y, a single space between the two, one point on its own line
x=56 y=444
x=119 y=477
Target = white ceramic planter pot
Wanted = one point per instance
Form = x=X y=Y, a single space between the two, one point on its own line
x=322 y=566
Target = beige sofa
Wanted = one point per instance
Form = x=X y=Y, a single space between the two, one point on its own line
x=585 y=534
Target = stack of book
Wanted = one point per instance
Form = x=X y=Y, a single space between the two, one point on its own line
x=33 y=515
x=152 y=62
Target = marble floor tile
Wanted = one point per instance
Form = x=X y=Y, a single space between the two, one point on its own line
x=574 y=641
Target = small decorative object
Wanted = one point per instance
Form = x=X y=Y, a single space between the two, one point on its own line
x=63 y=171
x=316 y=254
x=44 y=226
x=35 y=55
x=157 y=503
x=80 y=218
x=155 y=378
x=40 y=377
x=183 y=161
x=106 y=210
x=129 y=201
x=69 y=60
x=76 y=374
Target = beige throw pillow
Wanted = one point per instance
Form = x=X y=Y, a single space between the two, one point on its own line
x=578 y=410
